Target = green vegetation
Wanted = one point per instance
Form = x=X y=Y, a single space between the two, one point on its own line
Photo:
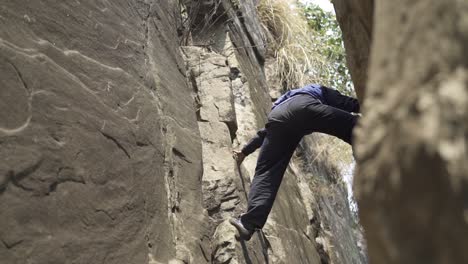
x=331 y=47
x=306 y=43
x=291 y=41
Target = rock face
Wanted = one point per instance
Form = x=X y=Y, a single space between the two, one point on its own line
x=99 y=164
x=355 y=19
x=412 y=179
x=116 y=140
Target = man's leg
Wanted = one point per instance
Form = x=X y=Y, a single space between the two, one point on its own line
x=330 y=120
x=338 y=100
x=273 y=160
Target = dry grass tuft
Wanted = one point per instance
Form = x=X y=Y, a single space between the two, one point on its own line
x=291 y=41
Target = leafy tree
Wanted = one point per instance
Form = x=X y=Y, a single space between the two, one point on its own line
x=330 y=46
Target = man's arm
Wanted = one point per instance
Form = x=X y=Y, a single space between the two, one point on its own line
x=255 y=142
x=336 y=99
x=251 y=146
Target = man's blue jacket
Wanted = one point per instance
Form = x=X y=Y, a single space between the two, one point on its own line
x=324 y=94
x=314 y=90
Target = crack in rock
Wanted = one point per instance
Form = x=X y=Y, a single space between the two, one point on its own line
x=117 y=143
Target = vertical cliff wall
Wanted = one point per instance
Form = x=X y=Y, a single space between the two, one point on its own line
x=417 y=176
x=411 y=153
x=99 y=162
x=116 y=126
x=355 y=19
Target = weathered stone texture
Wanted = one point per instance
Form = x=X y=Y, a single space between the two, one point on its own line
x=412 y=178
x=356 y=21
x=90 y=139
x=116 y=142
x=250 y=54
x=331 y=223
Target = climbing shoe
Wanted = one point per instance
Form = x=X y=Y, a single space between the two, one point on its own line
x=244 y=233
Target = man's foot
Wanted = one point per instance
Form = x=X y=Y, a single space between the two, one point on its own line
x=244 y=233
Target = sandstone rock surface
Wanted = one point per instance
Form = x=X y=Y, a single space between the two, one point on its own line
x=98 y=164
x=356 y=21
x=116 y=142
x=412 y=176
x=412 y=146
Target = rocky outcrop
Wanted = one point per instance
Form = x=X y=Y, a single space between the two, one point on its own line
x=412 y=176
x=311 y=221
x=116 y=139
x=356 y=21
x=99 y=165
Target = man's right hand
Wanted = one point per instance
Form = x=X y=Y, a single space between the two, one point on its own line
x=238 y=156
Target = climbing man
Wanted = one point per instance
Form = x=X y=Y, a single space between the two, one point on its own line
x=313 y=108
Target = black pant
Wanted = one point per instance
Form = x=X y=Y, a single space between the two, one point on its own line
x=287 y=124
